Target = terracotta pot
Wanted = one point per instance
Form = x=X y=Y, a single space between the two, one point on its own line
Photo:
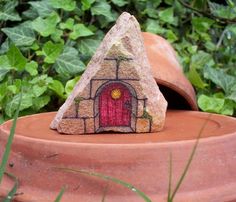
x=140 y=159
x=167 y=71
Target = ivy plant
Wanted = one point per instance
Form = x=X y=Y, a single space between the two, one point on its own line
x=46 y=44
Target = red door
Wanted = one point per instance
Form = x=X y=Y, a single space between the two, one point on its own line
x=115 y=105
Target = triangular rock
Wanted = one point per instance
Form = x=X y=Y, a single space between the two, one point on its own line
x=117 y=91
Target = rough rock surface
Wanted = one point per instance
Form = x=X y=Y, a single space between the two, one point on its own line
x=117 y=92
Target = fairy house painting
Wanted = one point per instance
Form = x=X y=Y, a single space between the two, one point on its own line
x=117 y=91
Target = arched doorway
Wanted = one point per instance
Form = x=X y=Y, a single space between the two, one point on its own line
x=116 y=106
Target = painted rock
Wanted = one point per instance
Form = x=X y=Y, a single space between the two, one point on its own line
x=117 y=92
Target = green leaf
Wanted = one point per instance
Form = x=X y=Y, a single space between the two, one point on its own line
x=88 y=46
x=21 y=35
x=46 y=26
x=201 y=59
x=120 y=3
x=70 y=85
x=3 y=73
x=220 y=78
x=4 y=62
x=56 y=36
x=222 y=11
x=228 y=108
x=51 y=51
x=104 y=9
x=202 y=24
x=32 y=68
x=39 y=90
x=57 y=87
x=232 y=96
x=40 y=102
x=68 y=24
x=15 y=58
x=67 y=5
x=80 y=30
x=154 y=27
x=195 y=79
x=86 y=4
x=68 y=63
x=5 y=46
x=7 y=12
x=210 y=104
x=43 y=8
x=26 y=102
x=167 y=15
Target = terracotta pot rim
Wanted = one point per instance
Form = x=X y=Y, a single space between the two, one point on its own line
x=180 y=91
x=118 y=145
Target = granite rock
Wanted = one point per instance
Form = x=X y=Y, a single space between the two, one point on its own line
x=117 y=92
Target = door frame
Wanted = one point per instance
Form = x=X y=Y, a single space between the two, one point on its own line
x=134 y=103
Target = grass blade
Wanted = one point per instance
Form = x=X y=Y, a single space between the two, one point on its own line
x=112 y=179
x=12 y=192
x=105 y=193
x=189 y=160
x=9 y=142
x=170 y=179
x=59 y=196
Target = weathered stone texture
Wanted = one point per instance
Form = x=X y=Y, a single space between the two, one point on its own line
x=121 y=59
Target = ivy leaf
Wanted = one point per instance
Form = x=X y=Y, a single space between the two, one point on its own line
x=32 y=67
x=57 y=87
x=56 y=36
x=67 y=5
x=104 y=9
x=4 y=66
x=40 y=102
x=21 y=35
x=5 y=46
x=71 y=84
x=220 y=78
x=86 y=4
x=51 y=51
x=15 y=58
x=202 y=24
x=201 y=59
x=4 y=62
x=26 y=102
x=210 y=104
x=196 y=79
x=120 y=3
x=232 y=96
x=167 y=16
x=46 y=26
x=7 y=12
x=222 y=11
x=80 y=30
x=43 y=8
x=68 y=63
x=88 y=46
x=39 y=90
x=68 y=24
x=154 y=27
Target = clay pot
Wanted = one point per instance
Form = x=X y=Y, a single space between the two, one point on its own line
x=141 y=159
x=167 y=72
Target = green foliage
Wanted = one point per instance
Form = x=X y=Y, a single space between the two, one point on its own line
x=46 y=44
